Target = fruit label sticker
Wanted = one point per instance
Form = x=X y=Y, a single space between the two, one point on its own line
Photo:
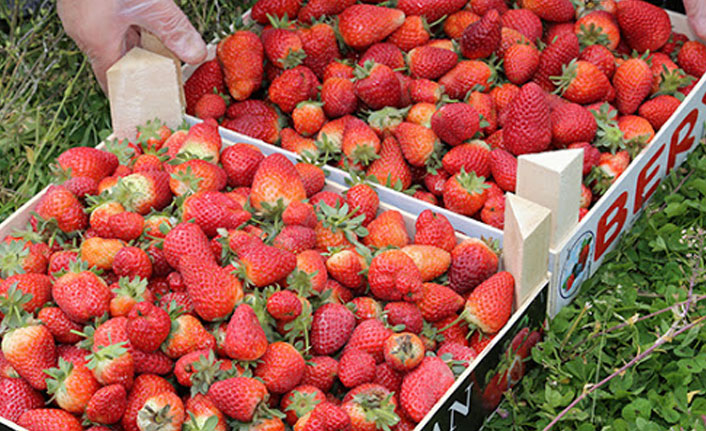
x=478 y=391
x=584 y=249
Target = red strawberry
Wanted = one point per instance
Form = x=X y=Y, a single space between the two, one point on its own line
x=438 y=302
x=200 y=409
x=601 y=57
x=582 y=82
x=17 y=397
x=632 y=81
x=404 y=351
x=276 y=180
x=186 y=239
x=405 y=313
x=146 y=386
x=560 y=51
x=362 y=199
x=692 y=58
x=147 y=326
x=63 y=206
x=524 y=21
x=320 y=372
x=644 y=26
x=308 y=117
x=81 y=294
x=387 y=230
x=245 y=338
x=424 y=386
x=432 y=10
x=71 y=386
x=213 y=290
x=472 y=262
x=238 y=397
x=213 y=210
x=465 y=76
x=528 y=125
x=345 y=266
x=59 y=325
x=29 y=349
x=434 y=229
x=363 y=25
x=240 y=161
x=296 y=143
x=331 y=328
x=242 y=56
x=550 y=10
x=458 y=352
x=210 y=106
x=283 y=47
x=393 y=276
x=356 y=368
x=320 y=46
x=591 y=155
x=142 y=192
x=276 y=8
x=284 y=305
x=281 y=368
x=360 y=144
x=482 y=38
x=292 y=87
x=391 y=169
x=187 y=335
x=424 y=90
x=455 y=123
x=377 y=85
x=465 y=193
x=369 y=336
x=295 y=239
x=471 y=157
x=489 y=306
x=503 y=166
x=493 y=212
x=263 y=264
x=658 y=110
x=429 y=62
x=572 y=123
x=88 y=162
x=37 y=287
x=521 y=62
x=49 y=420
x=315 y=9
x=416 y=142
x=300 y=401
x=338 y=96
x=132 y=262
x=206 y=79
x=383 y=53
x=412 y=33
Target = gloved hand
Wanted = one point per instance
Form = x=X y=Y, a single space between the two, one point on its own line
x=105 y=30
x=696 y=11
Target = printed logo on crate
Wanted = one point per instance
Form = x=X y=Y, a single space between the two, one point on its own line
x=585 y=248
x=477 y=394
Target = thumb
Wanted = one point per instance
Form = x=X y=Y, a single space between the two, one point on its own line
x=696 y=11
x=170 y=25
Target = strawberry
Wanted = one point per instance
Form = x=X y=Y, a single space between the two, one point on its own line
x=263 y=264
x=242 y=55
x=320 y=45
x=458 y=352
x=240 y=162
x=16 y=397
x=455 y=123
x=528 y=125
x=186 y=239
x=428 y=62
x=320 y=372
x=37 y=287
x=457 y=22
x=524 y=21
x=692 y=58
x=431 y=10
x=394 y=276
x=206 y=79
x=416 y=142
x=276 y=183
x=213 y=290
x=329 y=415
x=637 y=131
x=284 y=305
x=472 y=262
x=315 y=9
x=132 y=262
x=503 y=166
x=100 y=252
x=210 y=106
x=164 y=410
x=376 y=85
x=202 y=142
x=424 y=386
x=465 y=76
x=601 y=57
x=345 y=266
x=481 y=38
x=438 y=302
x=147 y=326
x=331 y=327
x=644 y=26
x=311 y=262
x=63 y=206
x=245 y=338
x=126 y=225
x=27 y=347
x=383 y=53
x=434 y=229
x=187 y=335
x=126 y=293
x=362 y=199
x=292 y=87
x=572 y=123
x=59 y=325
x=598 y=28
x=434 y=183
x=550 y=10
x=356 y=368
x=200 y=409
x=141 y=192
x=387 y=230
x=424 y=90
x=87 y=162
x=405 y=313
x=420 y=113
x=71 y=385
x=403 y=351
x=308 y=117
x=281 y=368
x=283 y=47
x=99 y=219
x=591 y=155
x=369 y=336
x=390 y=168
x=212 y=211
x=363 y=25
x=366 y=307
x=471 y=157
x=81 y=294
x=521 y=62
x=632 y=81
x=299 y=213
x=296 y=143
x=338 y=97
x=295 y=239
x=276 y=8
x=413 y=32
x=111 y=359
x=489 y=306
x=560 y=51
x=465 y=193
x=430 y=260
x=582 y=82
x=339 y=69
x=658 y=110
x=360 y=143
x=49 y=420
x=107 y=404
x=300 y=401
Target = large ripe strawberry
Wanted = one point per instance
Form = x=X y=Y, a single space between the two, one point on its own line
x=391 y=169
x=429 y=62
x=455 y=123
x=107 y=404
x=466 y=76
x=383 y=53
x=644 y=26
x=424 y=386
x=692 y=58
x=471 y=157
x=245 y=339
x=263 y=265
x=29 y=348
x=394 y=276
x=320 y=45
x=362 y=199
x=369 y=336
x=432 y=10
x=489 y=306
x=99 y=252
x=275 y=183
x=601 y=57
x=550 y=10
x=434 y=229
x=186 y=239
x=81 y=294
x=63 y=206
x=658 y=110
x=582 y=82
x=338 y=96
x=144 y=191
x=503 y=166
x=206 y=79
x=465 y=193
x=521 y=62
x=88 y=162
x=633 y=82
x=387 y=230
x=38 y=287
x=146 y=386
x=430 y=260
x=345 y=267
x=111 y=359
x=71 y=385
x=49 y=420
x=331 y=328
x=147 y=326
x=292 y=87
x=412 y=33
x=438 y=302
x=281 y=368
x=202 y=142
x=356 y=368
x=481 y=38
x=472 y=262
x=240 y=161
x=560 y=52
x=315 y=9
x=360 y=143
x=283 y=46
x=213 y=289
x=276 y=8
x=416 y=142
x=524 y=21
x=363 y=25
x=16 y=397
x=238 y=397
x=60 y=326
x=187 y=335
x=572 y=123
x=242 y=56
x=212 y=211
x=377 y=86
x=528 y=128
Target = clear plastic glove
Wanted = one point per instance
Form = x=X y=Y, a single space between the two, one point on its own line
x=105 y=30
x=696 y=11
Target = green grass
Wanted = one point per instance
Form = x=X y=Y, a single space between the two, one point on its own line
x=50 y=100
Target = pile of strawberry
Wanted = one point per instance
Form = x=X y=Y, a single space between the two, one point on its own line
x=172 y=283
x=438 y=97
